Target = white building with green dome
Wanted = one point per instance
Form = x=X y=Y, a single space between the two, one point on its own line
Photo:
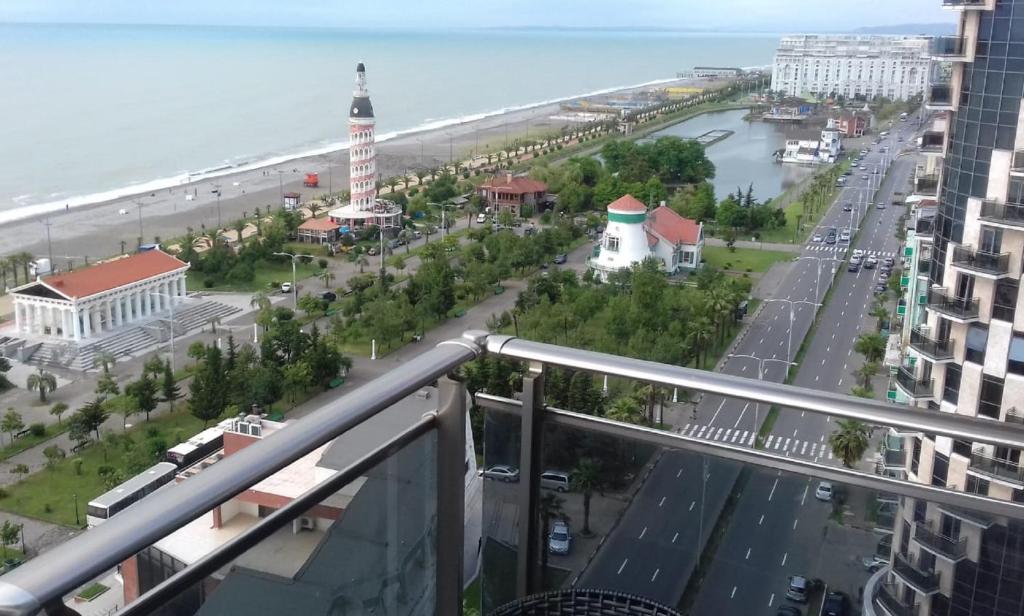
x=633 y=234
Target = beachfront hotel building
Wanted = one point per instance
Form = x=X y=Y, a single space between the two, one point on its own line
x=90 y=302
x=364 y=207
x=964 y=326
x=853 y=66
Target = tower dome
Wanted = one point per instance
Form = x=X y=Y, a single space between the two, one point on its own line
x=626 y=240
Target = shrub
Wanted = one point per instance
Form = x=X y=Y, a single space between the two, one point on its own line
x=76 y=464
x=558 y=146
x=322 y=263
x=209 y=282
x=152 y=432
x=3 y=493
x=53 y=454
x=47 y=508
x=37 y=429
x=414 y=191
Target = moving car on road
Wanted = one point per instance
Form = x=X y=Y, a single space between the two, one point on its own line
x=880 y=205
x=502 y=472
x=560 y=259
x=823 y=491
x=870 y=263
x=847 y=207
x=844 y=235
x=558 y=481
x=560 y=540
x=798 y=588
x=817 y=239
x=854 y=266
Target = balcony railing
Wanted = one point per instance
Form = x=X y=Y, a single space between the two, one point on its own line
x=913 y=386
x=965 y=257
x=399 y=547
x=933 y=141
x=889 y=597
x=1014 y=415
x=923 y=580
x=926 y=184
x=994 y=467
x=948 y=48
x=924 y=267
x=953 y=549
x=1017 y=163
x=936 y=350
x=1002 y=213
x=962 y=308
x=966 y=4
x=940 y=97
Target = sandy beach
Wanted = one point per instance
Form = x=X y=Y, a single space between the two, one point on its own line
x=96 y=231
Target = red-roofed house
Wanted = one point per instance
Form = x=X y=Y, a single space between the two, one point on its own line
x=633 y=235
x=318 y=231
x=509 y=193
x=84 y=303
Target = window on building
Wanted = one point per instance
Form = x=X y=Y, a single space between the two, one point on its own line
x=977 y=340
x=976 y=485
x=962 y=448
x=940 y=469
x=611 y=243
x=951 y=386
x=920 y=510
x=1015 y=360
x=915 y=455
x=990 y=397
x=1004 y=300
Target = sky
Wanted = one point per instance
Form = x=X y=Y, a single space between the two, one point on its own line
x=721 y=15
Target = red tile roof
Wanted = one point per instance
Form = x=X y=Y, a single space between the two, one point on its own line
x=627 y=203
x=515 y=185
x=112 y=274
x=668 y=224
x=319 y=224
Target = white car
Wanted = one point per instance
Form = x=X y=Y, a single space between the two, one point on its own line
x=560 y=540
x=858 y=253
x=481 y=218
x=817 y=239
x=286 y=287
x=824 y=491
x=502 y=472
x=880 y=205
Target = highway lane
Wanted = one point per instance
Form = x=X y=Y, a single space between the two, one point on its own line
x=631 y=563
x=796 y=526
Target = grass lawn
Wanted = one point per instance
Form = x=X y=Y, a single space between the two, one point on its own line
x=30 y=440
x=743 y=259
x=92 y=591
x=50 y=494
x=265 y=274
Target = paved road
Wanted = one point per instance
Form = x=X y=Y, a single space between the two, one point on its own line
x=756 y=557
x=637 y=557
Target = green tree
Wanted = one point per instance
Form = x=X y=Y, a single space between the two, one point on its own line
x=169 y=387
x=57 y=410
x=310 y=304
x=91 y=416
x=297 y=379
x=626 y=409
x=699 y=336
x=208 y=396
x=865 y=372
x=9 y=532
x=53 y=455
x=11 y=423
x=550 y=507
x=872 y=346
x=586 y=478
x=849 y=441
x=43 y=381
x=107 y=385
x=144 y=392
x=124 y=405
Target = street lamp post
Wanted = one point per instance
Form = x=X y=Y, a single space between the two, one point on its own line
x=139 y=203
x=216 y=191
x=792 y=303
x=295 y=286
x=817 y=281
x=171 y=299
x=760 y=377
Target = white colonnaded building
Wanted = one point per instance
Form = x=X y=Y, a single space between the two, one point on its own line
x=364 y=207
x=633 y=235
x=895 y=67
x=87 y=303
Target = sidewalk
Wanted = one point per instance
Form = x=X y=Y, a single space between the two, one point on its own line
x=717 y=241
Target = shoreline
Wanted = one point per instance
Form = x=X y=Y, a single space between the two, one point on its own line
x=97 y=230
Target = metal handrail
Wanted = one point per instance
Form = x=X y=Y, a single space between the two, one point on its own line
x=910 y=569
x=45 y=579
x=1007 y=213
x=979 y=260
x=935 y=541
x=939 y=349
x=961 y=307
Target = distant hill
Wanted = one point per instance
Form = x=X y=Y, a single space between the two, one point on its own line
x=936 y=29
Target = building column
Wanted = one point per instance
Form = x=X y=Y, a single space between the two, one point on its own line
x=37 y=319
x=17 y=316
x=136 y=301
x=87 y=322
x=76 y=324
x=118 y=315
x=108 y=313
x=65 y=319
x=147 y=298
x=182 y=286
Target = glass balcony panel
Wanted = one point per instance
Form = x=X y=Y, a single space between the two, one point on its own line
x=936 y=350
x=965 y=4
x=940 y=96
x=947 y=47
x=933 y=141
x=1004 y=213
x=1017 y=164
x=962 y=308
x=913 y=386
x=997 y=468
x=926 y=184
x=921 y=578
x=937 y=542
x=368 y=548
x=966 y=257
x=889 y=598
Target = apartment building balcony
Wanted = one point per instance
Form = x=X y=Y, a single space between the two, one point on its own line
x=938 y=544
x=924 y=581
x=927 y=185
x=958 y=309
x=888 y=597
x=1014 y=416
x=404 y=520
x=985 y=264
x=914 y=387
x=1003 y=470
x=940 y=97
x=937 y=351
x=933 y=142
x=1003 y=215
x=948 y=49
x=924 y=267
x=1017 y=164
x=968 y=5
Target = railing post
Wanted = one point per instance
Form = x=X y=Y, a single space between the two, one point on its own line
x=451 y=494
x=530 y=459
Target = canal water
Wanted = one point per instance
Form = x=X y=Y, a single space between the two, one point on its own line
x=746 y=156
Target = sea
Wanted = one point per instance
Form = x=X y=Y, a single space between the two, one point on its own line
x=93 y=112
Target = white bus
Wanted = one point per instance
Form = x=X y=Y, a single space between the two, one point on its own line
x=129 y=493
x=196 y=448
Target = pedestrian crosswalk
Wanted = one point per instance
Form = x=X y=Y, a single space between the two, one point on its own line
x=841 y=251
x=774 y=444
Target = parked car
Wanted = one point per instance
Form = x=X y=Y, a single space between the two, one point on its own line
x=889 y=261
x=286 y=287
x=836 y=604
x=560 y=259
x=824 y=491
x=798 y=588
x=870 y=263
x=329 y=296
x=481 y=218
x=844 y=235
x=788 y=610
x=879 y=288
x=864 y=176
x=372 y=251
x=560 y=539
x=874 y=562
x=558 y=481
x=858 y=253
x=502 y=472
x=417 y=234
x=880 y=205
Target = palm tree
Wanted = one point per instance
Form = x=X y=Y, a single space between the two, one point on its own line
x=239 y=226
x=362 y=262
x=865 y=372
x=25 y=259
x=626 y=410
x=699 y=337
x=42 y=380
x=326 y=275
x=433 y=173
x=407 y=237
x=392 y=182
x=871 y=346
x=849 y=441
x=420 y=174
x=264 y=313
x=3 y=274
x=549 y=508
x=586 y=478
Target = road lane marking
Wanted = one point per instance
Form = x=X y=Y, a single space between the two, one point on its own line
x=733 y=594
x=727 y=433
x=715 y=416
x=794 y=524
x=622 y=566
x=691 y=505
x=772 y=493
x=674 y=537
x=653 y=577
x=784 y=556
x=803 y=449
x=794 y=432
x=786 y=446
x=701 y=433
x=717 y=434
x=771 y=600
x=642 y=533
x=662 y=502
x=748 y=554
x=761 y=520
x=803 y=499
x=679 y=473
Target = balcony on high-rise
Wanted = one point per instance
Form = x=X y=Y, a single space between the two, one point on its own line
x=948 y=49
x=1003 y=215
x=936 y=351
x=922 y=579
x=969 y=5
x=914 y=387
x=958 y=309
x=1017 y=164
x=940 y=96
x=927 y=184
x=950 y=548
x=996 y=468
x=933 y=142
x=888 y=596
x=980 y=262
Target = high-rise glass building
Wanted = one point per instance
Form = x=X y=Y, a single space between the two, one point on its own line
x=965 y=352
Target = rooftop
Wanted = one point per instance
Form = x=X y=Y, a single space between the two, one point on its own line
x=319 y=224
x=515 y=184
x=628 y=204
x=112 y=274
x=668 y=224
